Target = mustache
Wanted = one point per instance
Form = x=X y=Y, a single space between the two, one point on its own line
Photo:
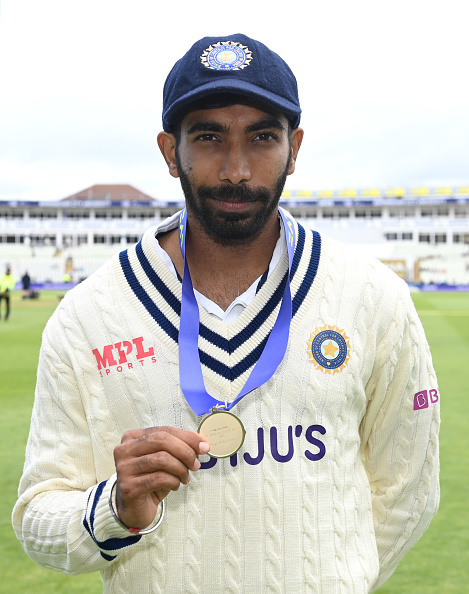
x=229 y=193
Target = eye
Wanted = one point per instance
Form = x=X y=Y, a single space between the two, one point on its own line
x=265 y=137
x=206 y=137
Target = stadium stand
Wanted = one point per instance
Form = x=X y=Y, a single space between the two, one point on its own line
x=421 y=233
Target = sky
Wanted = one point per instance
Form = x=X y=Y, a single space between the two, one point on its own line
x=383 y=87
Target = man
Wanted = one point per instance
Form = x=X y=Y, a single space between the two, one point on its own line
x=26 y=282
x=7 y=285
x=304 y=368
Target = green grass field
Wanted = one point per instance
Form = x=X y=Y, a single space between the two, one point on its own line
x=438 y=564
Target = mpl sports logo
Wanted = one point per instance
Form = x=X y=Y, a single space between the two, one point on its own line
x=116 y=355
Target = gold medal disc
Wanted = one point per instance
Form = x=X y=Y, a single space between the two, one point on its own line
x=225 y=433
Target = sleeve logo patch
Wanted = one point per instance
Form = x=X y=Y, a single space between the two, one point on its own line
x=329 y=349
x=424 y=398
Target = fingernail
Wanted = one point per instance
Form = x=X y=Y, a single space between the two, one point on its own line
x=204 y=447
x=187 y=481
x=197 y=464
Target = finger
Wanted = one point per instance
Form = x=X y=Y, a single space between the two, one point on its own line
x=158 y=441
x=162 y=462
x=157 y=483
x=193 y=439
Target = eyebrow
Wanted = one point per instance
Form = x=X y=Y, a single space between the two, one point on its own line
x=265 y=125
x=207 y=126
x=212 y=126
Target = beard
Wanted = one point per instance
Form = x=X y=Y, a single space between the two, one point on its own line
x=231 y=228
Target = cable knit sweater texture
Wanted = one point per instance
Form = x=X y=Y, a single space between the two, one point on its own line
x=338 y=475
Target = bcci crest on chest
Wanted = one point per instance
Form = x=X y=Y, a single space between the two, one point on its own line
x=329 y=349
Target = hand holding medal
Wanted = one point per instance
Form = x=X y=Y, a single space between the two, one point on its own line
x=150 y=463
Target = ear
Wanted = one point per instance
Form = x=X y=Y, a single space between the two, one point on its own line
x=167 y=146
x=296 y=139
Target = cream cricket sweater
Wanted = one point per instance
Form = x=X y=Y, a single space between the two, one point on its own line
x=337 y=477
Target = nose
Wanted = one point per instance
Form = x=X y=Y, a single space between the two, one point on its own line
x=234 y=167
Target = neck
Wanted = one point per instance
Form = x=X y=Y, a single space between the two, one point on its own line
x=220 y=272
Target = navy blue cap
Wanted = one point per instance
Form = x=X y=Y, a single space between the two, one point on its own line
x=234 y=64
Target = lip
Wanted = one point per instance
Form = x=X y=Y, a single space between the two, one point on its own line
x=233 y=206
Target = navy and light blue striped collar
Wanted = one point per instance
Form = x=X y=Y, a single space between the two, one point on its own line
x=165 y=304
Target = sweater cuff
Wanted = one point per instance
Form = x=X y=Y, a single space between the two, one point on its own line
x=101 y=526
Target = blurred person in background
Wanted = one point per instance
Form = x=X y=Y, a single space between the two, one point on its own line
x=7 y=284
x=26 y=282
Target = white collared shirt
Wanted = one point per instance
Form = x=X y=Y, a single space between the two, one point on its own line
x=243 y=300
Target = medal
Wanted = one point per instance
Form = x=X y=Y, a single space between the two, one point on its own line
x=225 y=433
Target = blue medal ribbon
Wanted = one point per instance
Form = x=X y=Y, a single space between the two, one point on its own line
x=190 y=369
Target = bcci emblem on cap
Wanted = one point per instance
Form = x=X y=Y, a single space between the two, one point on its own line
x=329 y=349
x=226 y=55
